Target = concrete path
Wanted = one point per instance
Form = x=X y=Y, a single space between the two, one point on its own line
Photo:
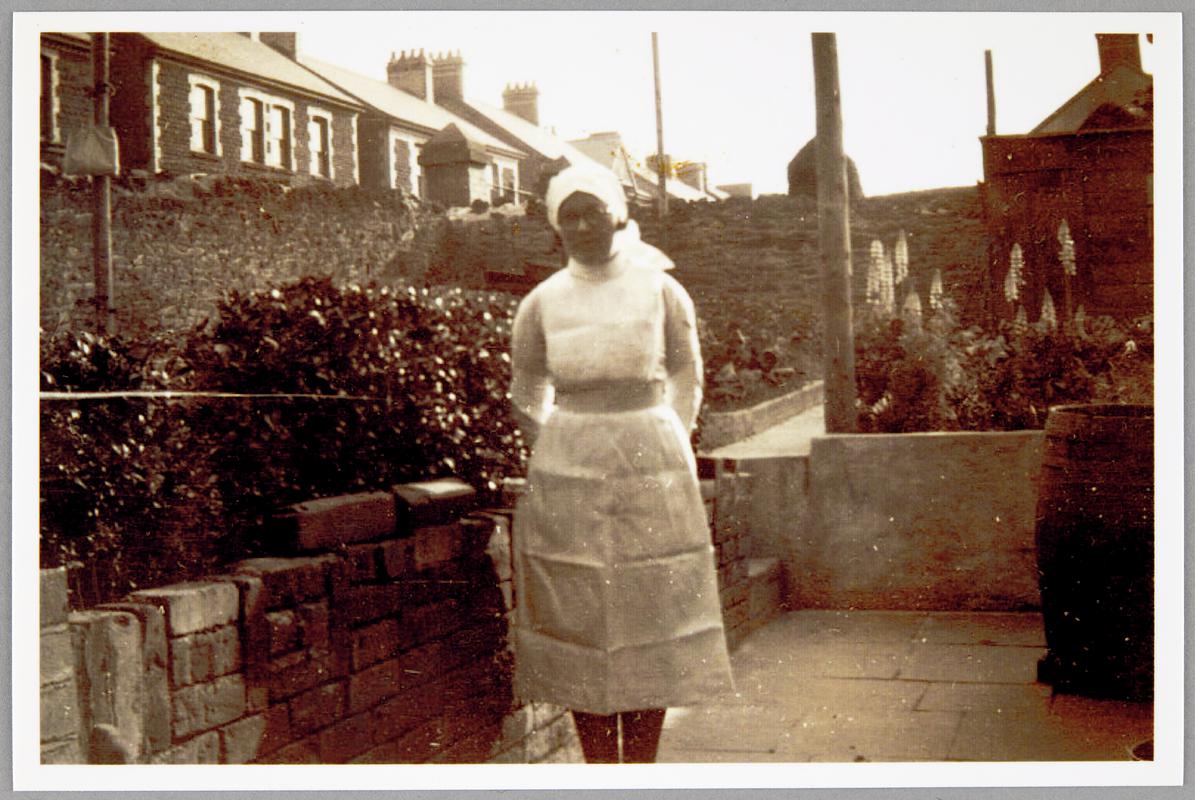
x=847 y=686
x=789 y=438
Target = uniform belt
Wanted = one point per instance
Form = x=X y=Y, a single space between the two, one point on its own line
x=608 y=397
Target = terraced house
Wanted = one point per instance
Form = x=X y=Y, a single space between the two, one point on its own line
x=250 y=104
x=206 y=102
x=406 y=140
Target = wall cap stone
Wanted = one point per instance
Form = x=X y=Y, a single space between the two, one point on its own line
x=193 y=606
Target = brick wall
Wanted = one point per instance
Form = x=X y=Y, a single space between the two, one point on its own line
x=1100 y=182
x=727 y=504
x=380 y=638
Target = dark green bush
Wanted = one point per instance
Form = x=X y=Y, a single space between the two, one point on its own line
x=352 y=389
x=125 y=488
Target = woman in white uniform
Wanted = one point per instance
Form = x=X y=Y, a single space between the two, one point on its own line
x=618 y=615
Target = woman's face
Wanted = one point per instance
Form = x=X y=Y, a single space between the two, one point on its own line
x=586 y=228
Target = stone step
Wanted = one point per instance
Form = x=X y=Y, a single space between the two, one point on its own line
x=766 y=595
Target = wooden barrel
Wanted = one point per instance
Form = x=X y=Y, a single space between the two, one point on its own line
x=1095 y=550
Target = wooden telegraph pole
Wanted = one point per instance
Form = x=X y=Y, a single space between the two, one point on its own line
x=834 y=232
x=661 y=166
x=987 y=68
x=101 y=217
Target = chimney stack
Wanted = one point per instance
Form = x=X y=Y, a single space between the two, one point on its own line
x=411 y=72
x=522 y=100
x=1118 y=48
x=285 y=43
x=448 y=75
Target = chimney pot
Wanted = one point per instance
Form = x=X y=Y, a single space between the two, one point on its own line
x=448 y=75
x=412 y=73
x=522 y=100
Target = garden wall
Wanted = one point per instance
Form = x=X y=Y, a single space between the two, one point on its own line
x=380 y=637
x=940 y=521
x=59 y=690
x=920 y=521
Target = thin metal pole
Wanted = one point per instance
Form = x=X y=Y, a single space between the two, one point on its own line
x=661 y=165
x=987 y=63
x=834 y=231
x=101 y=217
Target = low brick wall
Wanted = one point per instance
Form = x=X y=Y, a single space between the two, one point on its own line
x=919 y=521
x=381 y=638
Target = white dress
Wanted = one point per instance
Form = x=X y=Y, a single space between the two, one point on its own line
x=617 y=603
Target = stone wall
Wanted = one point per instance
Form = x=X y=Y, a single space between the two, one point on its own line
x=59 y=690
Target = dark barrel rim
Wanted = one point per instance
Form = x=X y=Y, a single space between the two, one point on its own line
x=1106 y=410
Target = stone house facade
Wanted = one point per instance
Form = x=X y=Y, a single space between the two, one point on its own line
x=231 y=103
x=65 y=102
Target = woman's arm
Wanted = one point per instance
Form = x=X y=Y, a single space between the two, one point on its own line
x=529 y=371
x=682 y=353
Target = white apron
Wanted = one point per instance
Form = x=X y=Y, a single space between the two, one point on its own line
x=617 y=602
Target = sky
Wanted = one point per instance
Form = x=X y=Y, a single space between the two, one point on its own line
x=737 y=87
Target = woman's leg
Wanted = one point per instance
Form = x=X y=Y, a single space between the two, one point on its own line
x=599 y=736
x=641 y=735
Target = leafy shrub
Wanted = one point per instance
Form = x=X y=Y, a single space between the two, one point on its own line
x=939 y=375
x=125 y=489
x=424 y=376
x=360 y=388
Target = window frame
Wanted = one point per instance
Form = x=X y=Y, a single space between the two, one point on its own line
x=49 y=106
x=276 y=152
x=416 y=184
x=207 y=84
x=316 y=156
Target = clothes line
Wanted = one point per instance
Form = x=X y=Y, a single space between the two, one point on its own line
x=168 y=395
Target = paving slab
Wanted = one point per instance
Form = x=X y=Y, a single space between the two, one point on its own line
x=826 y=659
x=986 y=735
x=844 y=626
x=676 y=755
x=1001 y=698
x=881 y=734
x=971 y=663
x=737 y=728
x=899 y=686
x=1023 y=629
x=850 y=695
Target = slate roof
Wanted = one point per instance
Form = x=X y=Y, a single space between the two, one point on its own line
x=1121 y=87
x=402 y=106
x=544 y=142
x=240 y=53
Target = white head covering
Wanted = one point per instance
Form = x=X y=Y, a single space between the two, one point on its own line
x=601 y=183
x=605 y=186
